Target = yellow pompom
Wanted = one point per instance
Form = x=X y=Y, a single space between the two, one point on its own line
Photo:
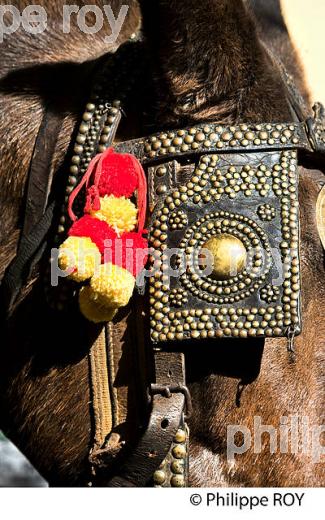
x=112 y=286
x=120 y=213
x=92 y=310
x=81 y=256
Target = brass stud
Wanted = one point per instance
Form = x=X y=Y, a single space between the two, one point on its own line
x=161 y=189
x=263 y=135
x=200 y=137
x=156 y=145
x=87 y=116
x=180 y=436
x=177 y=481
x=226 y=136
x=177 y=467
x=177 y=141
x=179 y=451
x=159 y=477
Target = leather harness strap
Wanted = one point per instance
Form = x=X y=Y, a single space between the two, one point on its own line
x=38 y=216
x=212 y=138
x=165 y=418
x=41 y=169
x=101 y=399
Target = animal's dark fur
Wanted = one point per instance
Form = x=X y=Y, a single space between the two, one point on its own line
x=208 y=62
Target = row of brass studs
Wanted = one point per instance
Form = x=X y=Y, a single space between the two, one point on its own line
x=211 y=137
x=178 y=220
x=219 y=322
x=270 y=293
x=208 y=184
x=91 y=139
x=290 y=232
x=243 y=329
x=98 y=120
x=94 y=134
x=172 y=472
x=177 y=298
x=245 y=180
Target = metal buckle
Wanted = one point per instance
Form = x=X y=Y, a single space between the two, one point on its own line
x=168 y=390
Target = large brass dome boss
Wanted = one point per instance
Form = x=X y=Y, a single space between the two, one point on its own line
x=227 y=254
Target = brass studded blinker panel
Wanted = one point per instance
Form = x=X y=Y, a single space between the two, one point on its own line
x=243 y=209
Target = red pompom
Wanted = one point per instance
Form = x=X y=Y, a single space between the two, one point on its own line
x=118 y=175
x=97 y=230
x=129 y=251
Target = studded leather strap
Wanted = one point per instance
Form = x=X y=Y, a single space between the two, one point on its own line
x=215 y=138
x=165 y=419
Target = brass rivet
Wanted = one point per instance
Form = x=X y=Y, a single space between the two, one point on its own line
x=200 y=137
x=180 y=436
x=177 y=141
x=177 y=467
x=156 y=146
x=159 y=477
x=179 y=451
x=177 y=481
x=161 y=189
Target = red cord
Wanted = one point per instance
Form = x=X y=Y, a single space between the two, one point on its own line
x=93 y=199
x=142 y=193
x=84 y=181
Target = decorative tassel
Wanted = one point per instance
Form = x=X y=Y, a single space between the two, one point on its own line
x=112 y=228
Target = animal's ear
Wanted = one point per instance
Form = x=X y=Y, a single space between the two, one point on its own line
x=320 y=215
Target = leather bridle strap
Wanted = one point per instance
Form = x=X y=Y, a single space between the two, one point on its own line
x=101 y=398
x=213 y=138
x=41 y=169
x=166 y=416
x=38 y=215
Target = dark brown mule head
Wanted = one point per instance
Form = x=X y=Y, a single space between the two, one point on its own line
x=206 y=62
